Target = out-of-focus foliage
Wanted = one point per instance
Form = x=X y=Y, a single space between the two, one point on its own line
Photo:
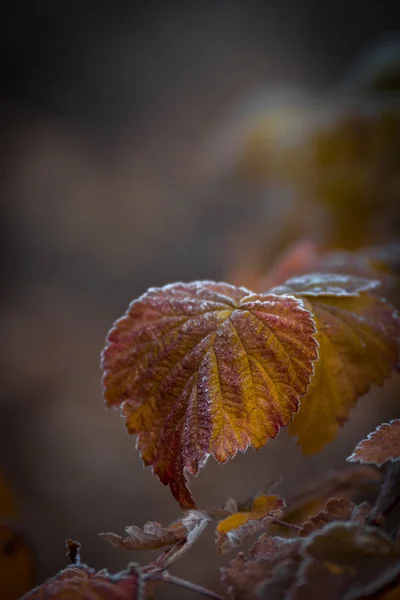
x=342 y=561
x=312 y=498
x=17 y=563
x=328 y=162
x=336 y=509
x=8 y=504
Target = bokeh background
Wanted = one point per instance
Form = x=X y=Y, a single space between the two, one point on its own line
x=145 y=143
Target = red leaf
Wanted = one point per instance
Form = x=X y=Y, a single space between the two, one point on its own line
x=79 y=582
x=381 y=446
x=206 y=369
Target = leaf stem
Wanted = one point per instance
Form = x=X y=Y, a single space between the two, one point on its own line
x=284 y=524
x=194 y=587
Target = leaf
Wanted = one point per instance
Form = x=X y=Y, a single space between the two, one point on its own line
x=79 y=582
x=243 y=577
x=358 y=346
x=206 y=369
x=380 y=447
x=346 y=483
x=336 y=509
x=345 y=561
x=17 y=564
x=306 y=257
x=180 y=535
x=280 y=582
x=247 y=520
x=151 y=537
x=299 y=258
x=325 y=285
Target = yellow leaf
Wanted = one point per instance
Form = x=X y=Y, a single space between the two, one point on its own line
x=358 y=346
x=250 y=518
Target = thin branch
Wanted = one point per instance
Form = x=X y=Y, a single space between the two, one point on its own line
x=389 y=496
x=391 y=506
x=168 y=578
x=284 y=524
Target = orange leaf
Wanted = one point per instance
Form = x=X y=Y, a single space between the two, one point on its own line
x=79 y=582
x=358 y=346
x=250 y=518
x=206 y=369
x=17 y=565
x=380 y=447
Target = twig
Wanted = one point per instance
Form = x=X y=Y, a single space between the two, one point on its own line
x=392 y=505
x=284 y=524
x=74 y=551
x=168 y=578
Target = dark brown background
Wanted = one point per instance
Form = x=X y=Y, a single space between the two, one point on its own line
x=106 y=116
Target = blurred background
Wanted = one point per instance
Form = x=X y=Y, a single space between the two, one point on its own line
x=145 y=143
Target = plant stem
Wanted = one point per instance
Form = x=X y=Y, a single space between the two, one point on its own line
x=389 y=495
x=199 y=589
x=391 y=506
x=284 y=524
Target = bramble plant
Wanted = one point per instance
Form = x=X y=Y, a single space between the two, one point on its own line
x=208 y=369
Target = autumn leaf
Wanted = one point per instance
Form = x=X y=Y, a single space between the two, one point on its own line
x=244 y=576
x=151 y=537
x=306 y=257
x=299 y=258
x=311 y=499
x=247 y=519
x=358 y=346
x=380 y=447
x=180 y=536
x=206 y=369
x=336 y=509
x=79 y=582
x=346 y=561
